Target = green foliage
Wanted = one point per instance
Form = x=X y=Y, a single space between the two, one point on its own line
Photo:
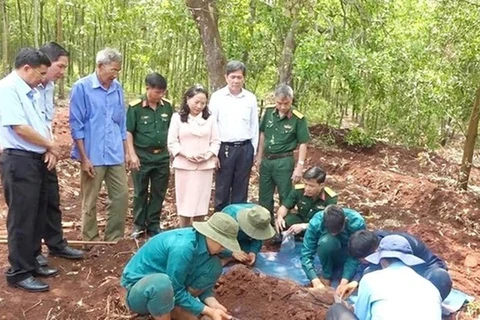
x=400 y=69
x=357 y=137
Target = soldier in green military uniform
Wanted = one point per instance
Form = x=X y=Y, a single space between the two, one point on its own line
x=309 y=197
x=282 y=129
x=148 y=120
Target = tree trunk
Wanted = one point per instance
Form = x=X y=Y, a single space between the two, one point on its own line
x=204 y=14
x=3 y=8
x=59 y=39
x=36 y=27
x=469 y=146
x=286 y=61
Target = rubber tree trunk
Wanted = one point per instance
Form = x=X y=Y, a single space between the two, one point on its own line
x=205 y=17
x=469 y=146
x=3 y=8
x=285 y=68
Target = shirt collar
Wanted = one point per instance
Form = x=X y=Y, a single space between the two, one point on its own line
x=96 y=83
x=288 y=115
x=45 y=87
x=202 y=243
x=145 y=102
x=228 y=93
x=22 y=86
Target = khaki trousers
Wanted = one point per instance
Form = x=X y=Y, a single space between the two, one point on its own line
x=115 y=178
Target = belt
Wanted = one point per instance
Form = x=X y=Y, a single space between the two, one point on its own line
x=278 y=155
x=237 y=143
x=23 y=153
x=154 y=150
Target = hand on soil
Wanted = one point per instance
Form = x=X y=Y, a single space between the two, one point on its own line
x=252 y=257
x=344 y=291
x=241 y=256
x=219 y=314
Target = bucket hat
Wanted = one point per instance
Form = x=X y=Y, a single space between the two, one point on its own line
x=255 y=222
x=395 y=246
x=221 y=228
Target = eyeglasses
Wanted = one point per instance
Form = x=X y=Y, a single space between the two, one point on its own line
x=39 y=73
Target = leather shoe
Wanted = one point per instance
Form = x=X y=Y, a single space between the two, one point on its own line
x=31 y=284
x=68 y=253
x=137 y=232
x=45 y=272
x=153 y=232
x=42 y=260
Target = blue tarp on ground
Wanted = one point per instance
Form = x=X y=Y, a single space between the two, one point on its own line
x=286 y=265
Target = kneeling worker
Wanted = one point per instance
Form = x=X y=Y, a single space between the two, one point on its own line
x=364 y=243
x=254 y=223
x=162 y=277
x=327 y=235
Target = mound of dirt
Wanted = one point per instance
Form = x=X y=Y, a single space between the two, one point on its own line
x=252 y=296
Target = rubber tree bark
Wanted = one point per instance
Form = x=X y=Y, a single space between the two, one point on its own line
x=469 y=146
x=205 y=16
x=285 y=68
x=3 y=8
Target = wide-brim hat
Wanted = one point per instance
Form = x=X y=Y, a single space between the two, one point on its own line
x=395 y=246
x=221 y=228
x=255 y=222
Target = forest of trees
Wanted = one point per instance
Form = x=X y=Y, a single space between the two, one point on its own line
x=404 y=70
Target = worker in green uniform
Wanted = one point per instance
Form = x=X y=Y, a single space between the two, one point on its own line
x=327 y=235
x=309 y=198
x=282 y=129
x=161 y=279
x=254 y=223
x=148 y=119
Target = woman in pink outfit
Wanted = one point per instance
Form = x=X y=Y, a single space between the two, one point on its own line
x=194 y=143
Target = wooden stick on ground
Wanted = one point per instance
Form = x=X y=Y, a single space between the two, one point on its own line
x=73 y=243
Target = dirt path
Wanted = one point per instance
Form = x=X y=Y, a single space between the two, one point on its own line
x=393 y=187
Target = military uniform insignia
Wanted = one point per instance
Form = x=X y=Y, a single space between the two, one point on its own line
x=164 y=115
x=287 y=126
x=145 y=117
x=299 y=186
x=133 y=103
x=329 y=192
x=298 y=114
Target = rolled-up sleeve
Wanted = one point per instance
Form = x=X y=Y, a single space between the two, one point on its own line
x=77 y=112
x=309 y=249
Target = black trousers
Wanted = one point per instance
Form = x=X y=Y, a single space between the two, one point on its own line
x=24 y=179
x=339 y=312
x=231 y=180
x=53 y=231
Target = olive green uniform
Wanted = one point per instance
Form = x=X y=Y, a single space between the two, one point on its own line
x=306 y=206
x=282 y=135
x=149 y=129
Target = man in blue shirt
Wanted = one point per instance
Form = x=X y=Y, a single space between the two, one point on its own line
x=254 y=222
x=98 y=127
x=53 y=231
x=162 y=278
x=363 y=243
x=396 y=291
x=27 y=149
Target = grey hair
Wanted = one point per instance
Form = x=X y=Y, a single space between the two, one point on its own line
x=284 y=90
x=235 y=65
x=108 y=55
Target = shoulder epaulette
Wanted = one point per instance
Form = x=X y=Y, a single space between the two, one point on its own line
x=299 y=186
x=298 y=114
x=330 y=192
x=269 y=106
x=166 y=100
x=133 y=103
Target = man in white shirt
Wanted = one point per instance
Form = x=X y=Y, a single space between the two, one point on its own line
x=396 y=291
x=235 y=110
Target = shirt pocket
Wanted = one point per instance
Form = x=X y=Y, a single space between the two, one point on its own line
x=146 y=124
x=245 y=115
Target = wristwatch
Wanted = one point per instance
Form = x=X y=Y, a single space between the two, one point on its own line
x=301 y=162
